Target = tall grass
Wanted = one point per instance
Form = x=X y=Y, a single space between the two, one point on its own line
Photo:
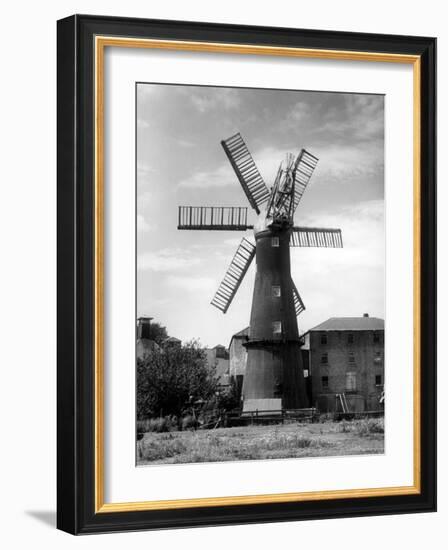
x=210 y=447
x=369 y=426
x=364 y=427
x=158 y=425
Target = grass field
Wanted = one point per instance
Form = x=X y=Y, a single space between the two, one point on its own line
x=356 y=437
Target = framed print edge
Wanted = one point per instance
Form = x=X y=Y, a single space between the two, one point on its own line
x=81 y=43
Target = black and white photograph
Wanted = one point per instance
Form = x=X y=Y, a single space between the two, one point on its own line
x=260 y=274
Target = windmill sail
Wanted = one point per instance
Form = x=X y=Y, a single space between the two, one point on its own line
x=224 y=218
x=234 y=276
x=298 y=304
x=303 y=170
x=316 y=236
x=246 y=171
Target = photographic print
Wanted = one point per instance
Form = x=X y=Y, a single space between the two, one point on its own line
x=242 y=212
x=260 y=274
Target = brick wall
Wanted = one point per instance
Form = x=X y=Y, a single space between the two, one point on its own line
x=359 y=354
x=238 y=356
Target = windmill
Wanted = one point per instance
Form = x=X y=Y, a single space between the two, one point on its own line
x=274 y=372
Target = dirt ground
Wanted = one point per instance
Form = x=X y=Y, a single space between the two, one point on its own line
x=294 y=440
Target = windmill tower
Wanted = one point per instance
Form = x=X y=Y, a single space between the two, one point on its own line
x=274 y=371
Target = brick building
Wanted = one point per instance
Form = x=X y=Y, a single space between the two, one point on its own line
x=238 y=358
x=145 y=345
x=218 y=359
x=347 y=357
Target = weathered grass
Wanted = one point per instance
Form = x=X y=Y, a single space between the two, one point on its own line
x=212 y=447
x=161 y=448
x=261 y=442
x=364 y=427
x=369 y=426
x=158 y=425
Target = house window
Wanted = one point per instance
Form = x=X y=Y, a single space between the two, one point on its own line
x=376 y=338
x=378 y=380
x=325 y=381
x=350 y=338
x=351 y=357
x=276 y=291
x=323 y=339
x=221 y=352
x=324 y=358
x=277 y=327
x=275 y=241
x=350 y=381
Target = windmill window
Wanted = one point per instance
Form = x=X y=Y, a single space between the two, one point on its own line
x=378 y=380
x=275 y=241
x=276 y=291
x=325 y=381
x=277 y=327
x=350 y=339
x=376 y=338
x=324 y=339
x=350 y=381
x=351 y=357
x=324 y=359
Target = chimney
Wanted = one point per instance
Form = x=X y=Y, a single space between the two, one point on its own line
x=143 y=328
x=365 y=315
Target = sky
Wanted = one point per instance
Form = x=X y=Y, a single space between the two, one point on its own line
x=180 y=161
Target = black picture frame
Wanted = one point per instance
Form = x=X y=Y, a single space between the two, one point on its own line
x=76 y=511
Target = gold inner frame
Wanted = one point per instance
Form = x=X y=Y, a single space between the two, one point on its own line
x=101 y=42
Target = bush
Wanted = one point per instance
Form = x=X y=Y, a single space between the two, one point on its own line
x=345 y=426
x=189 y=422
x=370 y=426
x=171 y=379
x=157 y=425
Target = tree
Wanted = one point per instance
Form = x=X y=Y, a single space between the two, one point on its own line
x=229 y=399
x=168 y=380
x=158 y=333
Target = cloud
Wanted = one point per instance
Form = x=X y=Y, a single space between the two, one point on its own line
x=184 y=143
x=347 y=281
x=202 y=284
x=209 y=99
x=220 y=177
x=166 y=260
x=142 y=224
x=144 y=169
x=142 y=124
x=363 y=236
x=144 y=199
x=267 y=161
x=146 y=91
x=300 y=112
x=349 y=161
x=360 y=117
x=235 y=241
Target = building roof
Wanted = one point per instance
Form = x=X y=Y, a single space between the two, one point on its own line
x=171 y=339
x=350 y=323
x=241 y=334
x=244 y=332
